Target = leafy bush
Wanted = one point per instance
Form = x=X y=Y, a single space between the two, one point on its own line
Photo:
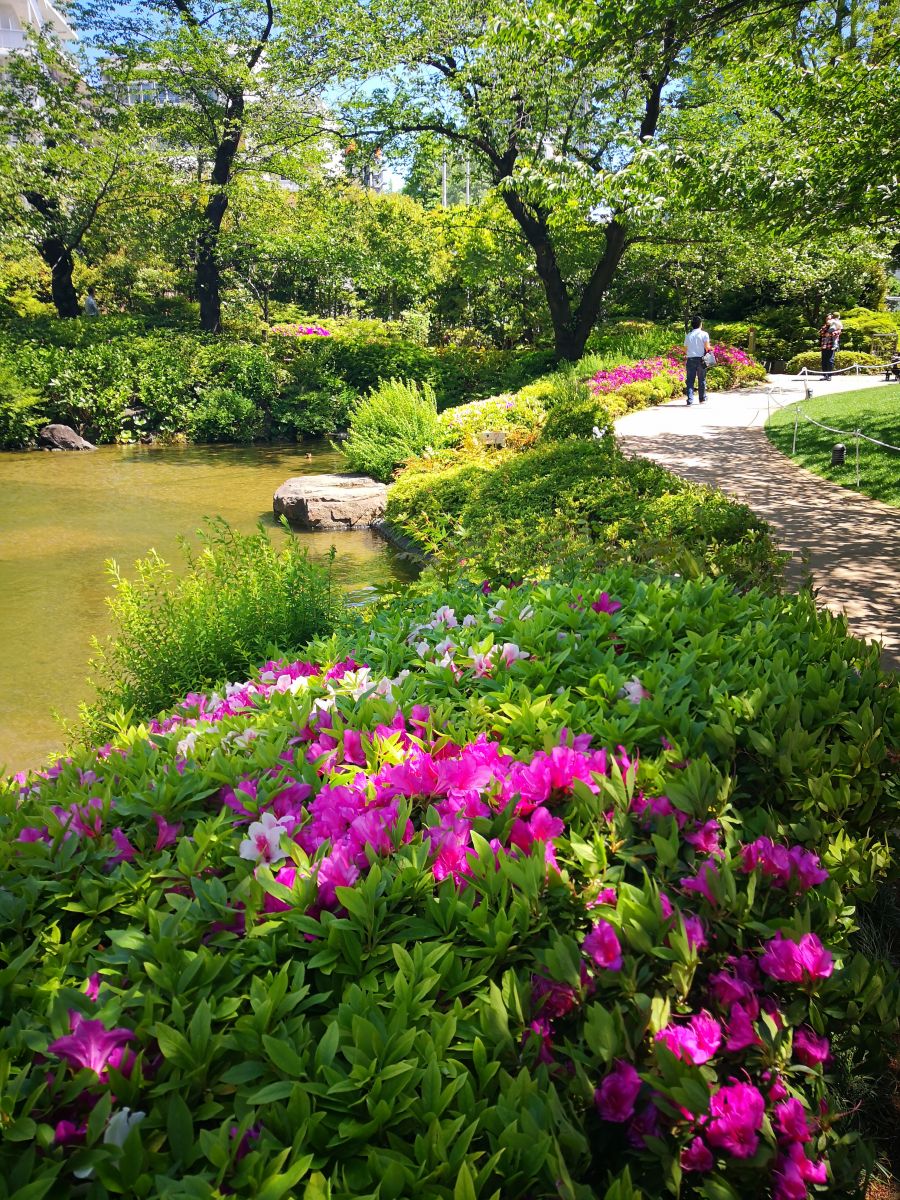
x=812 y=360
x=224 y=414
x=237 y=597
x=394 y=422
x=578 y=415
x=21 y=414
x=510 y=916
x=526 y=514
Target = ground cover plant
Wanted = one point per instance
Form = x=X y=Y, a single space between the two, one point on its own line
x=546 y=891
x=510 y=514
x=873 y=411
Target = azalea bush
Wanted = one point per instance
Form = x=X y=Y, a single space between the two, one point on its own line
x=301 y=330
x=476 y=911
x=578 y=501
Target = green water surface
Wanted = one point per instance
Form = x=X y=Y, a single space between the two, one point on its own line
x=62 y=515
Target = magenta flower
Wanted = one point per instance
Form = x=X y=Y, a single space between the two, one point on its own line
x=783 y=866
x=602 y=947
x=126 y=852
x=703 y=882
x=543 y=1030
x=552 y=998
x=740 y=1030
x=615 y=1097
x=67 y=1133
x=705 y=838
x=92 y=987
x=644 y=1125
x=605 y=605
x=809 y=1048
x=796 y=962
x=90 y=1045
x=790 y=1121
x=697 y=1041
x=166 y=833
x=794 y=1171
x=736 y=1116
x=697 y=1156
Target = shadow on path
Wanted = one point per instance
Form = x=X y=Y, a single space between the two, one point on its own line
x=850 y=543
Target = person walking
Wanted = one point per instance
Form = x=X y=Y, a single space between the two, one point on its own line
x=827 y=345
x=696 y=343
x=91 y=307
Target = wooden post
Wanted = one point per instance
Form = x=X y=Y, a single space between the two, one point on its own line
x=751 y=342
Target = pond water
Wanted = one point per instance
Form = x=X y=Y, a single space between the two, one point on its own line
x=63 y=515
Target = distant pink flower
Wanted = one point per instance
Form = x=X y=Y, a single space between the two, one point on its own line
x=166 y=834
x=736 y=1116
x=544 y=1031
x=697 y=1156
x=263 y=841
x=602 y=947
x=796 y=962
x=67 y=1133
x=809 y=1048
x=510 y=653
x=92 y=988
x=90 y=1045
x=605 y=605
x=126 y=852
x=606 y=895
x=615 y=1097
x=633 y=691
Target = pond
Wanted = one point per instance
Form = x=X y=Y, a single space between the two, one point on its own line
x=63 y=515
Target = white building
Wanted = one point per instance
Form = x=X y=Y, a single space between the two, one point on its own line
x=18 y=15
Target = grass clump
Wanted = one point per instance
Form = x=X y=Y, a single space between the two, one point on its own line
x=239 y=598
x=397 y=420
x=873 y=411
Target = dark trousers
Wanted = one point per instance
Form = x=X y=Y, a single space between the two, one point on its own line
x=696 y=369
x=827 y=360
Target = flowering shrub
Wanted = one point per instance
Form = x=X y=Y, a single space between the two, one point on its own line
x=286 y=330
x=519 y=412
x=414 y=920
x=636 y=372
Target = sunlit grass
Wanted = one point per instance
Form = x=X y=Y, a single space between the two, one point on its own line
x=873 y=411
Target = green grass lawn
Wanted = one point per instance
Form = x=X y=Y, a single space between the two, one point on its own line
x=874 y=411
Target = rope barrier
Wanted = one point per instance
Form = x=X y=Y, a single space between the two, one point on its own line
x=857 y=367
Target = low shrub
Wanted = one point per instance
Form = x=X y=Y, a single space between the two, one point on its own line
x=224 y=414
x=554 y=897
x=233 y=600
x=395 y=421
x=579 y=414
x=526 y=514
x=812 y=360
x=21 y=411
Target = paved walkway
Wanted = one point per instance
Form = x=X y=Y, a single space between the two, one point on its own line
x=849 y=542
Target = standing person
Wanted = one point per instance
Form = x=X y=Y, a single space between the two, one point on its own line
x=837 y=328
x=696 y=343
x=827 y=345
x=91 y=307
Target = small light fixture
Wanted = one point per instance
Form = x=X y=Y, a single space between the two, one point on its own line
x=838 y=454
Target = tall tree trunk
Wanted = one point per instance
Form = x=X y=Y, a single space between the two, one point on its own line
x=208 y=271
x=58 y=257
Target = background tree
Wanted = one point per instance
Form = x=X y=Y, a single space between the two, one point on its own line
x=69 y=159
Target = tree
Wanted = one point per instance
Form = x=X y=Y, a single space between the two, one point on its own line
x=224 y=89
x=566 y=117
x=68 y=158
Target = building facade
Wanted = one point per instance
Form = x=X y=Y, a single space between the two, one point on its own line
x=18 y=15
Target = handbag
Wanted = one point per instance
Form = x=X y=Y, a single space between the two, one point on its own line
x=709 y=358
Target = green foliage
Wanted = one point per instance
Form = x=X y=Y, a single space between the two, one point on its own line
x=526 y=514
x=233 y=600
x=579 y=413
x=385 y=1045
x=21 y=414
x=873 y=411
x=394 y=422
x=812 y=360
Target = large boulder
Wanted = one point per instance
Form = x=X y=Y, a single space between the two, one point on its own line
x=61 y=437
x=331 y=501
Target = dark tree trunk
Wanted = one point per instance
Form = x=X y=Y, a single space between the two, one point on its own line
x=208 y=270
x=58 y=257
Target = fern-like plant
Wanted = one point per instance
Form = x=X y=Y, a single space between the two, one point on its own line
x=397 y=420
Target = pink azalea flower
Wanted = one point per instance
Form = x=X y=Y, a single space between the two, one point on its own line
x=510 y=653
x=697 y=1041
x=90 y=1045
x=695 y=931
x=794 y=1171
x=790 y=1121
x=92 y=987
x=697 y=1156
x=615 y=1097
x=644 y=1125
x=809 y=1048
x=263 y=841
x=602 y=947
x=796 y=962
x=606 y=895
x=67 y=1133
x=166 y=834
x=126 y=852
x=605 y=605
x=736 y=1116
x=286 y=877
x=705 y=838
x=702 y=883
x=633 y=691
x=552 y=998
x=335 y=870
x=353 y=748
x=740 y=1030
x=544 y=1031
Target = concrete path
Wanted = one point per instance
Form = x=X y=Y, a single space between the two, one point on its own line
x=849 y=542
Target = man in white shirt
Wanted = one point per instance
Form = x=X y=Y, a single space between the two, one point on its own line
x=91 y=308
x=696 y=343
